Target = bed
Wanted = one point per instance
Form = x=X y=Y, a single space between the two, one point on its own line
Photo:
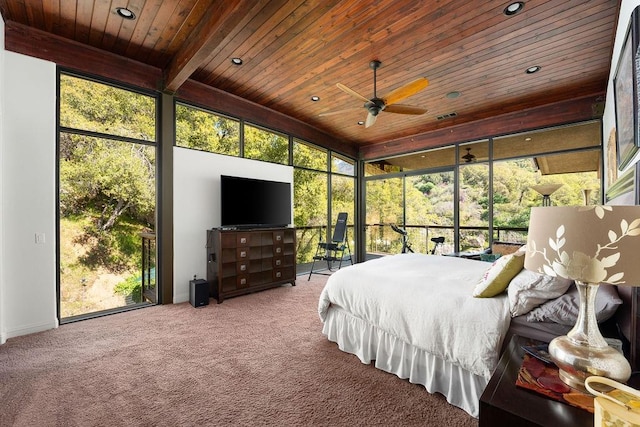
x=415 y=316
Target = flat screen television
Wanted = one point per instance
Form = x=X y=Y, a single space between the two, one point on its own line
x=254 y=203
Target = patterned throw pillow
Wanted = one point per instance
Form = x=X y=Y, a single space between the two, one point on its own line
x=497 y=277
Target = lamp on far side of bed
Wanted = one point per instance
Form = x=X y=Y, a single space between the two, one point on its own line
x=546 y=190
x=591 y=245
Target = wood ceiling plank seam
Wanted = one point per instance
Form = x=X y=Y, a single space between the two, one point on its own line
x=430 y=40
x=266 y=50
x=260 y=24
x=51 y=12
x=187 y=26
x=211 y=30
x=128 y=27
x=5 y=11
x=84 y=14
x=166 y=25
x=99 y=19
x=473 y=44
x=456 y=72
x=312 y=68
x=210 y=19
x=496 y=50
x=480 y=25
x=293 y=47
x=111 y=32
x=550 y=68
x=35 y=14
x=67 y=26
x=143 y=31
x=17 y=11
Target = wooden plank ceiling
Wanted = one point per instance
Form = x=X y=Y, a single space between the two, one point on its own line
x=293 y=50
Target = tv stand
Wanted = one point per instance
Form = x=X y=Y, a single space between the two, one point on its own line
x=243 y=261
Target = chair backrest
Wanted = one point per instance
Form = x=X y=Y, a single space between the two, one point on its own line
x=340 y=229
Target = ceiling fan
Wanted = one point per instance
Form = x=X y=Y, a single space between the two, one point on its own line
x=386 y=103
x=468 y=158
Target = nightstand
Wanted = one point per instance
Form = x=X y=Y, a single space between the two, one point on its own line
x=504 y=404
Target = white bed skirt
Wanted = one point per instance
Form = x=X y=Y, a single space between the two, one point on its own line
x=356 y=336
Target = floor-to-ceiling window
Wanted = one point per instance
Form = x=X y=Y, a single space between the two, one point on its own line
x=473 y=196
x=107 y=197
x=492 y=185
x=324 y=181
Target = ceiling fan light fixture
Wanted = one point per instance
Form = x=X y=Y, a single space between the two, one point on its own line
x=236 y=61
x=513 y=8
x=125 y=13
x=468 y=158
x=533 y=69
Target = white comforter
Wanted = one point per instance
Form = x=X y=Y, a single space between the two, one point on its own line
x=426 y=301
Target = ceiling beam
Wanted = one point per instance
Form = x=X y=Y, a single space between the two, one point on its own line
x=223 y=102
x=219 y=23
x=553 y=114
x=80 y=57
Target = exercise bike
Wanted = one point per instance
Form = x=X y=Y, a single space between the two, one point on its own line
x=406 y=246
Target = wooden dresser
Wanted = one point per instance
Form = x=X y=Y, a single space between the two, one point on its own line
x=244 y=261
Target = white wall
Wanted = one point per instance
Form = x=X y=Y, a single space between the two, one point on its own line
x=2 y=107
x=609 y=118
x=196 y=199
x=28 y=274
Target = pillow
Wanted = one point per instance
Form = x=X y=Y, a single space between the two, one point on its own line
x=497 y=277
x=530 y=289
x=564 y=309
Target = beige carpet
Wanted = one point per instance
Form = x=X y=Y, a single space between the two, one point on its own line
x=254 y=360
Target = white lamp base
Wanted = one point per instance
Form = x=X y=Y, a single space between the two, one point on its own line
x=583 y=352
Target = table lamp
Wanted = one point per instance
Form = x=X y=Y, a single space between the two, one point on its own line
x=591 y=245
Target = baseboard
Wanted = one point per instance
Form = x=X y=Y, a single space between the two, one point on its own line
x=30 y=329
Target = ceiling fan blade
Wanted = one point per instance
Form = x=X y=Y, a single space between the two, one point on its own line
x=406 y=91
x=351 y=92
x=404 y=109
x=371 y=119
x=346 y=110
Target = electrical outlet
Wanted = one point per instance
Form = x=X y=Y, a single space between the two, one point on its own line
x=40 y=238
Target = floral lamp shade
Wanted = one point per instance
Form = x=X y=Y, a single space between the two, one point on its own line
x=592 y=244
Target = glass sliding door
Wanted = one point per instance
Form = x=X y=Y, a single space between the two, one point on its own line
x=107 y=198
x=429 y=210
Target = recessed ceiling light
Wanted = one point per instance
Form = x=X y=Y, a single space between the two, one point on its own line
x=452 y=95
x=315 y=98
x=513 y=8
x=360 y=123
x=236 y=61
x=533 y=69
x=528 y=139
x=125 y=13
